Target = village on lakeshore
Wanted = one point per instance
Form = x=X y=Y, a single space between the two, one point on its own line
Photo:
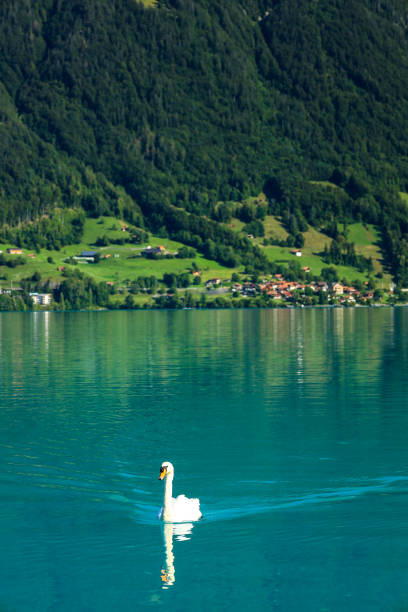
x=242 y=290
x=281 y=291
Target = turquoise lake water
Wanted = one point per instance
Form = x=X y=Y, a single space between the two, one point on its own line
x=291 y=426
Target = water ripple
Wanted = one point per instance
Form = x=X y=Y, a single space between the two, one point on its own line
x=230 y=509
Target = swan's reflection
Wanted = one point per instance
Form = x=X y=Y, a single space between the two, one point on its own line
x=181 y=531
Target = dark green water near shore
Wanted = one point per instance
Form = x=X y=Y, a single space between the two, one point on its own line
x=289 y=425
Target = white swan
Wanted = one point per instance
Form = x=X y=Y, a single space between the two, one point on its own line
x=176 y=509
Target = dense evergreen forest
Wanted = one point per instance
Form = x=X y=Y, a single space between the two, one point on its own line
x=157 y=114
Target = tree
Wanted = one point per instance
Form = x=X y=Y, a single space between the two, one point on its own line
x=299 y=240
x=170 y=279
x=329 y=274
x=129 y=302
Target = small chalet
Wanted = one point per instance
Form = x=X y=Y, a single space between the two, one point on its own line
x=249 y=289
x=213 y=282
x=337 y=288
x=11 y=291
x=154 y=251
x=86 y=256
x=15 y=251
x=297 y=252
x=350 y=290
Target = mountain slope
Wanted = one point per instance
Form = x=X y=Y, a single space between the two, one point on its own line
x=189 y=103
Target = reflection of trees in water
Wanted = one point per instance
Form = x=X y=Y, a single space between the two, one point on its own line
x=316 y=349
x=180 y=531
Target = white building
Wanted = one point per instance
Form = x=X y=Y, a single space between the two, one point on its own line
x=43 y=299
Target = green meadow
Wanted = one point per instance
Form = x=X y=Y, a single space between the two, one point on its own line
x=274 y=228
x=125 y=262
x=364 y=237
x=149 y=3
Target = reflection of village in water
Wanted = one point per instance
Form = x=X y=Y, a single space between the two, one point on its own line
x=180 y=531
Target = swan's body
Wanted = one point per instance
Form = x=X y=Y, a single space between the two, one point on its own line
x=176 y=509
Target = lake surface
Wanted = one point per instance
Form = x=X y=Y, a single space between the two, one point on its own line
x=289 y=425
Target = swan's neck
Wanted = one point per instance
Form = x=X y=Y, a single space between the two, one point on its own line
x=168 y=493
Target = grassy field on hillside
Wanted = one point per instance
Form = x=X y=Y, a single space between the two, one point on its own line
x=236 y=225
x=365 y=239
x=315 y=241
x=362 y=235
x=274 y=228
x=125 y=263
x=325 y=184
x=284 y=256
x=149 y=3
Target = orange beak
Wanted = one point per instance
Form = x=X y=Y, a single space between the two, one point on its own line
x=163 y=472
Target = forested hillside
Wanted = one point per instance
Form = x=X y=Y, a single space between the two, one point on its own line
x=156 y=114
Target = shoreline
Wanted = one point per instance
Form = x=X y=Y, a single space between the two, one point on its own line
x=255 y=307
